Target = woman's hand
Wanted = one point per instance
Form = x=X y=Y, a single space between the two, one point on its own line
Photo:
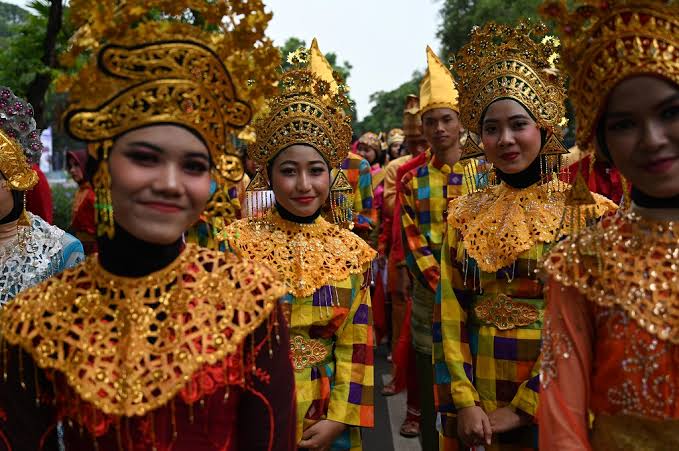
x=320 y=436
x=505 y=419
x=473 y=426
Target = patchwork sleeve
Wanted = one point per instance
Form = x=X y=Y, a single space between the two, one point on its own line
x=363 y=197
x=419 y=256
x=351 y=398
x=453 y=370
x=526 y=398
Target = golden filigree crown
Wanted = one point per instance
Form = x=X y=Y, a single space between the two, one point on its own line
x=501 y=61
x=161 y=61
x=311 y=108
x=606 y=42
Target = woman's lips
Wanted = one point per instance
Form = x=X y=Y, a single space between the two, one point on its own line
x=303 y=200
x=510 y=156
x=162 y=207
x=660 y=166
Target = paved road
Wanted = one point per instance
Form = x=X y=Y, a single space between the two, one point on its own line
x=389 y=414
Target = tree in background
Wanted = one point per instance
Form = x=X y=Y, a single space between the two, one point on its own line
x=459 y=16
x=10 y=16
x=387 y=113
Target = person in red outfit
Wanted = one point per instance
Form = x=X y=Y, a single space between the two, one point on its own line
x=39 y=199
x=82 y=216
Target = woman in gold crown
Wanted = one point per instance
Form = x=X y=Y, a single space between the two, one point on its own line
x=151 y=344
x=488 y=317
x=304 y=134
x=30 y=249
x=611 y=345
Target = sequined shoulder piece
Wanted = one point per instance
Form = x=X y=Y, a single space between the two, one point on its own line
x=500 y=223
x=306 y=256
x=128 y=345
x=629 y=262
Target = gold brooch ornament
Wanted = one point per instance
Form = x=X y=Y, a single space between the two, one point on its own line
x=605 y=42
x=311 y=108
x=306 y=352
x=518 y=63
x=505 y=313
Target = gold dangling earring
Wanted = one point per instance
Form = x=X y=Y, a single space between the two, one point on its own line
x=23 y=227
x=102 y=190
x=341 y=201
x=625 y=200
x=259 y=196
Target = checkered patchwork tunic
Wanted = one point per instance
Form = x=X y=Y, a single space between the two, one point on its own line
x=339 y=385
x=475 y=362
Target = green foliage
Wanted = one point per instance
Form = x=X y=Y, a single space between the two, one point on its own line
x=10 y=16
x=387 y=113
x=62 y=201
x=459 y=16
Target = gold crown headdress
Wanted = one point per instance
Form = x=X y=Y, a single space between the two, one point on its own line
x=371 y=140
x=501 y=61
x=605 y=42
x=159 y=62
x=20 y=144
x=395 y=135
x=310 y=109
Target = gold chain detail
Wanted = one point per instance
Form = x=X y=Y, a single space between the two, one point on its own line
x=500 y=223
x=306 y=256
x=628 y=261
x=504 y=313
x=128 y=345
x=306 y=352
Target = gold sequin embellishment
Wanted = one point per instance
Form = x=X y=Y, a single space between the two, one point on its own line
x=128 y=345
x=306 y=352
x=505 y=313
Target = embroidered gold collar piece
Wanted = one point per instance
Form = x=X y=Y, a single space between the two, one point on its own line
x=306 y=256
x=128 y=345
x=627 y=261
x=500 y=223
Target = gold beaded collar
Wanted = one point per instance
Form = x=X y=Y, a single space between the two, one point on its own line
x=500 y=223
x=627 y=261
x=128 y=345
x=306 y=256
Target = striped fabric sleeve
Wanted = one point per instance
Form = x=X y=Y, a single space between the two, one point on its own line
x=351 y=397
x=418 y=254
x=452 y=358
x=526 y=398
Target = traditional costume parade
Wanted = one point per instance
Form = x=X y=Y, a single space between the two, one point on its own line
x=251 y=255
x=488 y=317
x=610 y=351
x=31 y=250
x=150 y=345
x=325 y=266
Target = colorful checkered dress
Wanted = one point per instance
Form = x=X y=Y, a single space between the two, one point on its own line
x=476 y=363
x=357 y=170
x=329 y=314
x=339 y=387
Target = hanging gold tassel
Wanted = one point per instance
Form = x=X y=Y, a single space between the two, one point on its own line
x=102 y=191
x=342 y=201
x=24 y=227
x=259 y=196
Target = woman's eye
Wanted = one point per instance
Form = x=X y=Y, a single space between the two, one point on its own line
x=519 y=125
x=144 y=158
x=287 y=172
x=621 y=125
x=317 y=171
x=489 y=130
x=196 y=167
x=672 y=112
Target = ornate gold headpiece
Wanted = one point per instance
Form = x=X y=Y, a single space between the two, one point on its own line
x=162 y=61
x=395 y=135
x=310 y=109
x=20 y=144
x=501 y=61
x=605 y=42
x=371 y=140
